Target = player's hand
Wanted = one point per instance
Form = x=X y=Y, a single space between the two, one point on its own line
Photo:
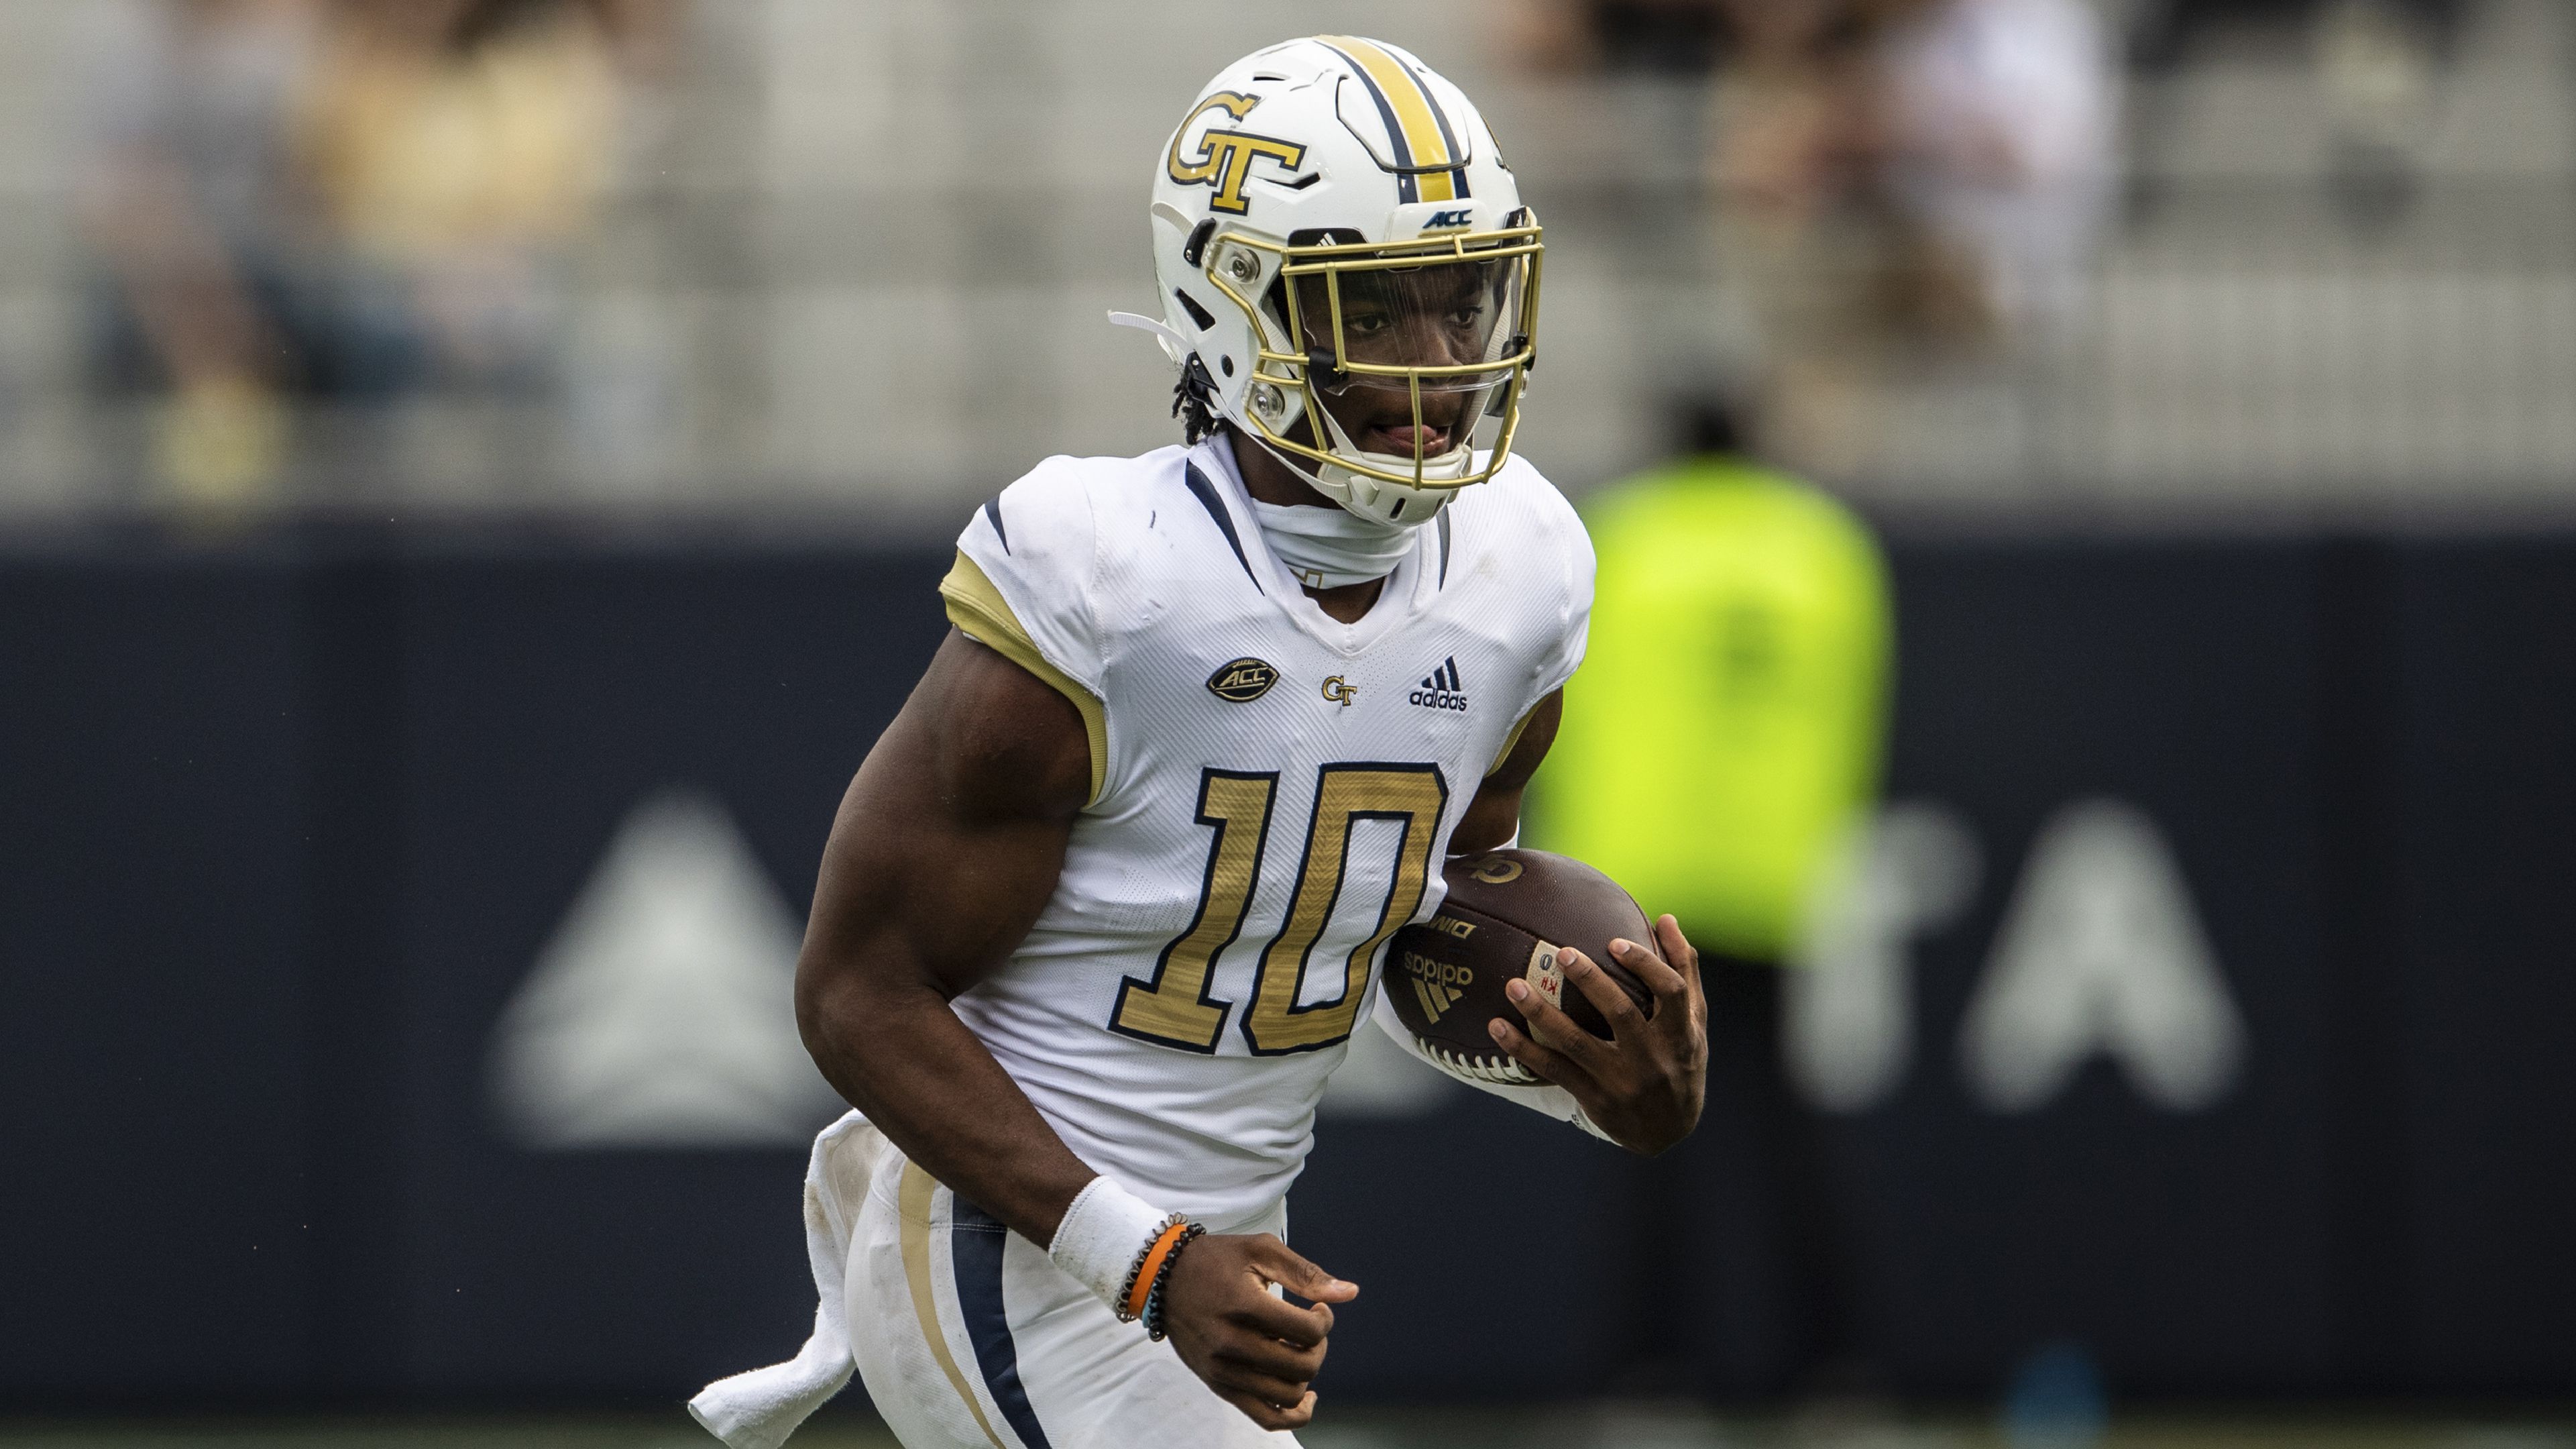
x=1645 y=1085
x=1258 y=1352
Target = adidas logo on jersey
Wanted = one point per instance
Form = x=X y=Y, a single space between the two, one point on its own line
x=1440 y=688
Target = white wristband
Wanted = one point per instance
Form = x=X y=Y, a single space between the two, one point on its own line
x=1102 y=1233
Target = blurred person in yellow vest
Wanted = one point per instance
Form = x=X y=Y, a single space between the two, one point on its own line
x=1754 y=609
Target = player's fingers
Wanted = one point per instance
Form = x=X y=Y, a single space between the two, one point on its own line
x=1685 y=961
x=1267 y=1316
x=1260 y=1354
x=1292 y=1415
x=1551 y=1067
x=1607 y=996
x=1552 y=1028
x=1651 y=972
x=1678 y=951
x=1280 y=1264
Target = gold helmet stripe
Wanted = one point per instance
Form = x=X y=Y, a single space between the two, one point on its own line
x=1415 y=122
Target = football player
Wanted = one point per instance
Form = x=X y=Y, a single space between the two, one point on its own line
x=1104 y=905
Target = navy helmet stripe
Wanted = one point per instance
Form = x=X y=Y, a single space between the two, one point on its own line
x=1206 y=494
x=993 y=514
x=976 y=1241
x=1448 y=138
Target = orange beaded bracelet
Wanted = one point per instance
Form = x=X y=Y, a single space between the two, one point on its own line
x=1148 y=1266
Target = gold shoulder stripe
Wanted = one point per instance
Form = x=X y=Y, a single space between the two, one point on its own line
x=917 y=1193
x=983 y=615
x=1511 y=742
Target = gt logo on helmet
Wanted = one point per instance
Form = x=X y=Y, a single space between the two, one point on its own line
x=1225 y=158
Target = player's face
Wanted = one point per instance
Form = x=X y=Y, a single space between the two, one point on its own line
x=1448 y=315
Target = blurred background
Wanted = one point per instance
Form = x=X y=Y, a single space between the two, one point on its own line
x=472 y=479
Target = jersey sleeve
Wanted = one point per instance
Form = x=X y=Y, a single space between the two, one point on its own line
x=1574 y=547
x=1022 y=586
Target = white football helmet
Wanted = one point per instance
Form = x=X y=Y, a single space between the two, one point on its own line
x=1332 y=221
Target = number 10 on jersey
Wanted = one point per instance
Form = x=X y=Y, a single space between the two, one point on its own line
x=1175 y=1008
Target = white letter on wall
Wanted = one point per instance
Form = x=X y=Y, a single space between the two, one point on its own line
x=1850 y=1010
x=2101 y=950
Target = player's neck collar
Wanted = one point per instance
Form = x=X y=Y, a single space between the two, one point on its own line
x=1322 y=547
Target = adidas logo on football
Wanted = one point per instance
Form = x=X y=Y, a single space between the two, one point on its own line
x=1440 y=689
x=1438 y=985
x=1436 y=998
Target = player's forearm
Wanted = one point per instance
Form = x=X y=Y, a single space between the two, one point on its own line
x=898 y=1053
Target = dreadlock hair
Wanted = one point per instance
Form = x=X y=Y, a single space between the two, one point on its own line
x=1194 y=401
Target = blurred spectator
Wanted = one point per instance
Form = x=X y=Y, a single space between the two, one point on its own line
x=1801 y=224
x=2162 y=32
x=1661 y=37
x=1998 y=122
x=458 y=148
x=2375 y=65
x=1908 y=184
x=1670 y=37
x=187 y=195
x=339 y=200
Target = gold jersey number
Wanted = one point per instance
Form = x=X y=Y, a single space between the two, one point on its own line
x=1175 y=1009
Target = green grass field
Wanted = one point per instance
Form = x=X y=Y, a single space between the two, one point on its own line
x=1594 y=1428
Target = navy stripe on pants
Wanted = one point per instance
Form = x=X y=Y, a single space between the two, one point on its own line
x=976 y=1241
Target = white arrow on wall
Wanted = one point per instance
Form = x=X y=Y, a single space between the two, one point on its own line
x=661 y=1014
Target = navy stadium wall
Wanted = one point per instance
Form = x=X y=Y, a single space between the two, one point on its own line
x=292 y=828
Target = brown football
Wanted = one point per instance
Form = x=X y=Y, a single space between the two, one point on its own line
x=1507 y=915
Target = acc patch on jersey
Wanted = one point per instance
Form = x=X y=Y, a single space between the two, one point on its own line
x=1242 y=680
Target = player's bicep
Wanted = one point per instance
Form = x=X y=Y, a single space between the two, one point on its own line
x=1494 y=816
x=950 y=839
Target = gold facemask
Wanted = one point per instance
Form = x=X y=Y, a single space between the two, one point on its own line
x=1449 y=321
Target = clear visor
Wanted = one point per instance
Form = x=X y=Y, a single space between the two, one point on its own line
x=1449 y=327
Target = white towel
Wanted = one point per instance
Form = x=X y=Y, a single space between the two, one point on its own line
x=759 y=1409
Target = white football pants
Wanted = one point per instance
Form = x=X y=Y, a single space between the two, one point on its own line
x=967 y=1337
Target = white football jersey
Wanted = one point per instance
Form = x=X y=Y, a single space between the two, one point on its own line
x=1272 y=793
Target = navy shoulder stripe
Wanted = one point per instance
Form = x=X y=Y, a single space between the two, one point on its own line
x=1205 y=492
x=993 y=511
x=1444 y=548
